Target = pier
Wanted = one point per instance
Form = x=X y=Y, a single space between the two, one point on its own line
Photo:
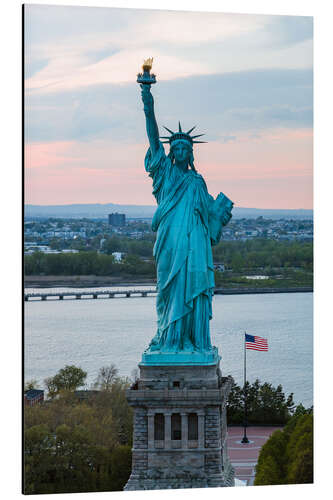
x=111 y=294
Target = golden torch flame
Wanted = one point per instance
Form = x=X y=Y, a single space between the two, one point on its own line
x=148 y=64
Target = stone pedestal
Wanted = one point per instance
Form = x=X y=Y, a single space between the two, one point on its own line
x=179 y=435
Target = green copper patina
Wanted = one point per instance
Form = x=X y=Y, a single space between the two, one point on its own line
x=188 y=221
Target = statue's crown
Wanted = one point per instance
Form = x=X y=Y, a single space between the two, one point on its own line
x=180 y=135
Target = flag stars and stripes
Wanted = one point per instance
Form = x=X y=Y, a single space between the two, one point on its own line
x=255 y=343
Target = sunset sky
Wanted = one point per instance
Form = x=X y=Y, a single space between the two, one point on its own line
x=244 y=80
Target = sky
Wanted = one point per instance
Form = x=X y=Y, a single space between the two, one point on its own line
x=246 y=81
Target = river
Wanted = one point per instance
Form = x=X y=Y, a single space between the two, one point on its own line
x=94 y=333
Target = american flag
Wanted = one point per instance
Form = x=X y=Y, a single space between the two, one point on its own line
x=256 y=343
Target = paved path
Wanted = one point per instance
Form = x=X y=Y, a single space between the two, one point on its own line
x=244 y=457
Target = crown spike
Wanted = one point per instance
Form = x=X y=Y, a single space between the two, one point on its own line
x=191 y=129
x=166 y=128
x=180 y=135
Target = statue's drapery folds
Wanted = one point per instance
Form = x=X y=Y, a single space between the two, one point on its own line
x=188 y=221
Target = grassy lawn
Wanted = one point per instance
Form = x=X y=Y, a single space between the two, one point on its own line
x=286 y=279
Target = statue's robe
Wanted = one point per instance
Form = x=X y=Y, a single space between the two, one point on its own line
x=188 y=221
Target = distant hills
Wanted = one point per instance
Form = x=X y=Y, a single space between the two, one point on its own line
x=98 y=210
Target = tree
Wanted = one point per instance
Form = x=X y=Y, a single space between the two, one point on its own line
x=235 y=405
x=134 y=375
x=31 y=384
x=79 y=446
x=56 y=244
x=265 y=404
x=115 y=399
x=51 y=386
x=287 y=457
x=272 y=461
x=37 y=444
x=106 y=377
x=113 y=244
x=67 y=379
x=121 y=464
x=237 y=262
x=299 y=451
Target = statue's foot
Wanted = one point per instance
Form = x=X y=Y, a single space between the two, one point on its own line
x=188 y=346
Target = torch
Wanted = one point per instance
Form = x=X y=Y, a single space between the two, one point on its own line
x=146 y=78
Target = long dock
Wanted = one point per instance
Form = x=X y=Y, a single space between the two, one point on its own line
x=111 y=294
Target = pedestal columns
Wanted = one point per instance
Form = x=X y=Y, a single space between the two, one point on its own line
x=201 y=429
x=151 y=414
x=184 y=430
x=167 y=423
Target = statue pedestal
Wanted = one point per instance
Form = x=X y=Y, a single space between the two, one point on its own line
x=180 y=427
x=187 y=358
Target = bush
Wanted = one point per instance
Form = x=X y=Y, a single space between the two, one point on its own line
x=287 y=457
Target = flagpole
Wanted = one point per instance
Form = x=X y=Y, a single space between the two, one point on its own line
x=245 y=439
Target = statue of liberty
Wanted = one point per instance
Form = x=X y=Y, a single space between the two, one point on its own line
x=188 y=221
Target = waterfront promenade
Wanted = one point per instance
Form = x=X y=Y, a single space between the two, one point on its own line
x=244 y=457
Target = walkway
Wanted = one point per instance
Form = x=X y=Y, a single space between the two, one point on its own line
x=244 y=457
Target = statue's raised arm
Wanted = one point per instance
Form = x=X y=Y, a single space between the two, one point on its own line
x=146 y=79
x=151 y=124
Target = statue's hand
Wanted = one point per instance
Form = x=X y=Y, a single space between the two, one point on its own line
x=147 y=98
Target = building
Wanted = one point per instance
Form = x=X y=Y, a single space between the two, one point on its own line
x=117 y=256
x=33 y=397
x=117 y=220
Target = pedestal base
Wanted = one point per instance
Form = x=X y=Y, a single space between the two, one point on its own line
x=181 y=358
x=180 y=427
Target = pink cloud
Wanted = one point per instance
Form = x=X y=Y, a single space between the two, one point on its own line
x=253 y=169
x=44 y=155
x=98 y=172
x=270 y=171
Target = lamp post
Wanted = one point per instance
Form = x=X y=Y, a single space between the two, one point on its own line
x=245 y=438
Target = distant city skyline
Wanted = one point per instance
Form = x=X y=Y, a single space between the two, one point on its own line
x=244 y=80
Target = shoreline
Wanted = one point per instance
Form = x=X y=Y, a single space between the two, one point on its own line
x=250 y=291
x=83 y=281
x=86 y=282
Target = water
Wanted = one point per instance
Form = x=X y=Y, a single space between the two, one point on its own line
x=94 y=333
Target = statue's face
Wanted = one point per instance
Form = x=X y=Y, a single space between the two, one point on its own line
x=182 y=153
